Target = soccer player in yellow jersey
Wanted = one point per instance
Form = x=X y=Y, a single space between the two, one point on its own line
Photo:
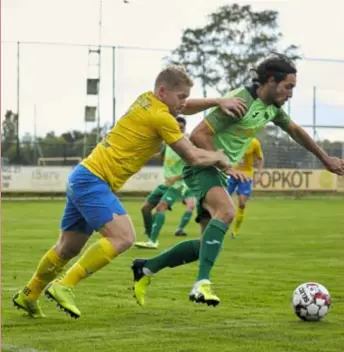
x=92 y=204
x=244 y=188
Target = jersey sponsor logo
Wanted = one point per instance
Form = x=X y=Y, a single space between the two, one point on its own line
x=255 y=114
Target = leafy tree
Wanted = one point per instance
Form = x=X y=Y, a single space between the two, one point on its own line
x=222 y=52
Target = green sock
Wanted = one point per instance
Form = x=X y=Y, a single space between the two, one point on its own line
x=182 y=253
x=147 y=221
x=212 y=239
x=185 y=220
x=159 y=220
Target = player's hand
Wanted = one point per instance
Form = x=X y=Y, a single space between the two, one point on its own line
x=334 y=165
x=233 y=107
x=239 y=175
x=223 y=162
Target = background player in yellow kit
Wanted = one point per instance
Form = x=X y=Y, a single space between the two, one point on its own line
x=92 y=204
x=244 y=188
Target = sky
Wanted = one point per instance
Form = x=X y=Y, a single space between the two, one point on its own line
x=53 y=77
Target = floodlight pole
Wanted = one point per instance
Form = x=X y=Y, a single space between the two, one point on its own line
x=18 y=104
x=113 y=85
x=99 y=64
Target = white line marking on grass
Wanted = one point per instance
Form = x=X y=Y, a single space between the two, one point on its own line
x=15 y=348
x=11 y=288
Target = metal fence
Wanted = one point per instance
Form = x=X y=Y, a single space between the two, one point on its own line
x=279 y=152
x=45 y=84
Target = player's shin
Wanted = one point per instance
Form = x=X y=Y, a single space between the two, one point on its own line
x=185 y=220
x=212 y=239
x=182 y=253
x=147 y=221
x=159 y=220
x=49 y=268
x=95 y=257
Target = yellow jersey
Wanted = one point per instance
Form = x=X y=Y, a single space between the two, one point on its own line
x=254 y=151
x=133 y=141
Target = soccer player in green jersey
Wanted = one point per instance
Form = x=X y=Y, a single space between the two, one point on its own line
x=273 y=86
x=165 y=195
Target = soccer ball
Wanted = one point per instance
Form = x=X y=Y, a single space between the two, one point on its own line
x=311 y=301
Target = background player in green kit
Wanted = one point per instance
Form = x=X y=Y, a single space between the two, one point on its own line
x=273 y=86
x=165 y=195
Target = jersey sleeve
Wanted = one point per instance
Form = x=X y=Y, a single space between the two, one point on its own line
x=217 y=120
x=282 y=120
x=258 y=152
x=167 y=127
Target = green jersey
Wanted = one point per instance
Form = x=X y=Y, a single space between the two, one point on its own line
x=235 y=135
x=173 y=166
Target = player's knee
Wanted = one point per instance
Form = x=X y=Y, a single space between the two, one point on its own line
x=242 y=201
x=119 y=232
x=190 y=207
x=129 y=239
x=162 y=207
x=122 y=241
x=225 y=215
x=242 y=205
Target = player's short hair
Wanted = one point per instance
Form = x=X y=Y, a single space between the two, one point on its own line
x=181 y=119
x=174 y=76
x=277 y=66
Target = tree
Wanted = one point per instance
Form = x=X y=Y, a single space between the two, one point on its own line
x=222 y=52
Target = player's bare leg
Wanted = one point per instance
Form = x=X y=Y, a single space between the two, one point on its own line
x=49 y=268
x=117 y=236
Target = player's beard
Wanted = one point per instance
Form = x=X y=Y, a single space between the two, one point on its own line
x=279 y=104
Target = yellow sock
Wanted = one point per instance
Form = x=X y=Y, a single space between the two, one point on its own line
x=49 y=268
x=95 y=257
x=238 y=219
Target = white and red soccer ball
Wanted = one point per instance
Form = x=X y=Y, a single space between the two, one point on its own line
x=311 y=301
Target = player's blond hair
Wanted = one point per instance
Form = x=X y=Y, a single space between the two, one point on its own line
x=174 y=76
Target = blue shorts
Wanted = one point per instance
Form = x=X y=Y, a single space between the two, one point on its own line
x=90 y=202
x=242 y=187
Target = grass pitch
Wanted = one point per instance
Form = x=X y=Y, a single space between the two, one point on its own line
x=282 y=244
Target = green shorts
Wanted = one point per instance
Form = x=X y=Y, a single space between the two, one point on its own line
x=187 y=194
x=199 y=181
x=164 y=193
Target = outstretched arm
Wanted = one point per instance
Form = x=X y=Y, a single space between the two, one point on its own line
x=300 y=136
x=230 y=106
x=198 y=157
